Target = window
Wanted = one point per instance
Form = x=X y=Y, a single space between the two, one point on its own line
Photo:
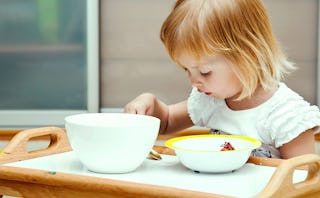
x=48 y=60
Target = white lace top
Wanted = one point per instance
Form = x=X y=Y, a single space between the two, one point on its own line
x=275 y=122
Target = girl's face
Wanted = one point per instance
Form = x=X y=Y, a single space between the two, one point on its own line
x=212 y=75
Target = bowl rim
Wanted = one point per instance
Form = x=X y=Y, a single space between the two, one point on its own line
x=169 y=143
x=70 y=119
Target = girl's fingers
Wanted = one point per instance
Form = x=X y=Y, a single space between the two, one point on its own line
x=136 y=109
x=129 y=109
x=141 y=111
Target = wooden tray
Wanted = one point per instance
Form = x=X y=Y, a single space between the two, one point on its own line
x=26 y=182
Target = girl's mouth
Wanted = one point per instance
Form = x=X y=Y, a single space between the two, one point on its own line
x=208 y=93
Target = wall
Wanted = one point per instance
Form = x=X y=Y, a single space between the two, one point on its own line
x=295 y=22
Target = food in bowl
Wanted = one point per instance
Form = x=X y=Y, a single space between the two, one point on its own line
x=111 y=142
x=202 y=153
x=227 y=146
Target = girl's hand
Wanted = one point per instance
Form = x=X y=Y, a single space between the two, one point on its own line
x=148 y=104
x=143 y=104
x=173 y=117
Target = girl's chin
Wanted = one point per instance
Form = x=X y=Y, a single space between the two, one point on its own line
x=210 y=94
x=213 y=95
x=219 y=97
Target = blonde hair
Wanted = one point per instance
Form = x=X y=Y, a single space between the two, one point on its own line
x=239 y=30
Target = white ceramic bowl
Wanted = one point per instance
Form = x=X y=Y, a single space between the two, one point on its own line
x=203 y=152
x=112 y=142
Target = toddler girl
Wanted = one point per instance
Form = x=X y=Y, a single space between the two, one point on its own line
x=235 y=64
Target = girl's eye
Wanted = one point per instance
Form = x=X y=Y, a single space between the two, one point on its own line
x=205 y=73
x=186 y=70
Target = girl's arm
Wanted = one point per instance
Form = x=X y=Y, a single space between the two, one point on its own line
x=178 y=118
x=303 y=144
x=173 y=117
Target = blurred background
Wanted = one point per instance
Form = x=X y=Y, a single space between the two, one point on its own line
x=62 y=57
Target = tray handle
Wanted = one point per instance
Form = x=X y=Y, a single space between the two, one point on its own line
x=16 y=149
x=281 y=183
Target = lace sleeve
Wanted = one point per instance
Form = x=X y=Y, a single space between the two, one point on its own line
x=288 y=119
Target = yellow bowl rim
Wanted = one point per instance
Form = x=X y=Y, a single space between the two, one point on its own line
x=169 y=143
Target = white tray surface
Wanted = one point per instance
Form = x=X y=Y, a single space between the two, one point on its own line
x=169 y=172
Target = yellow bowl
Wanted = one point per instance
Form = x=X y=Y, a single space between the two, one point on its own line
x=203 y=152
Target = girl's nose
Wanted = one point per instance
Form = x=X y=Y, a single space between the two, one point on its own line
x=196 y=83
